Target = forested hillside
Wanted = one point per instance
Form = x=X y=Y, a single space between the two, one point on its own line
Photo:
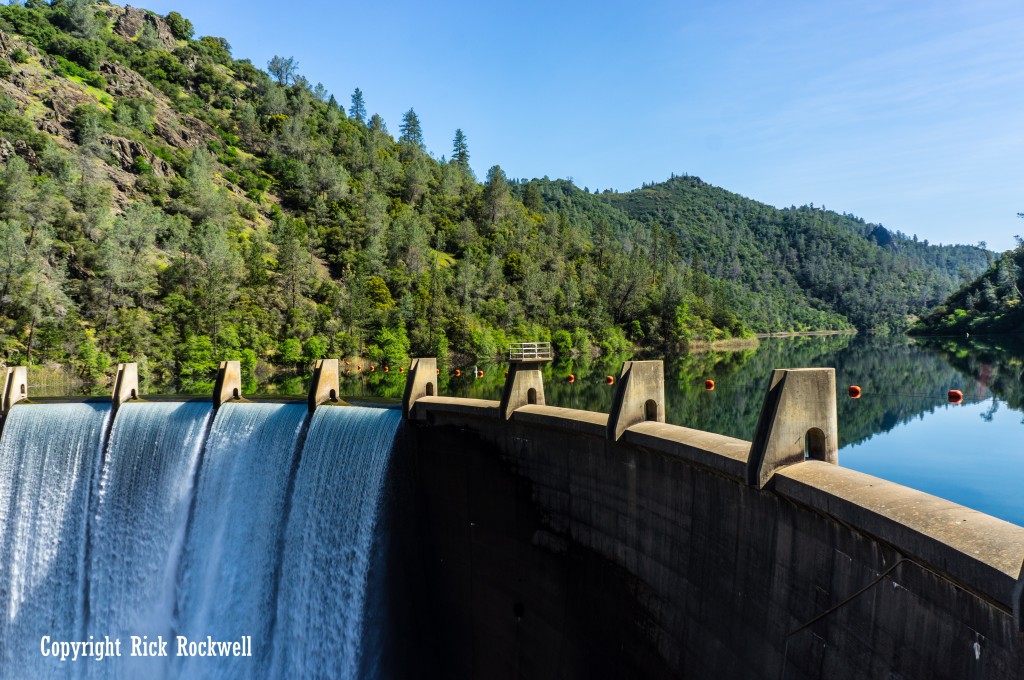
x=807 y=267
x=989 y=304
x=162 y=201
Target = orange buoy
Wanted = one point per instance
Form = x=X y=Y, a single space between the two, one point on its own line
x=506 y=374
x=570 y=378
x=955 y=396
x=854 y=392
x=372 y=368
x=359 y=367
x=387 y=369
x=609 y=380
x=479 y=374
x=709 y=385
x=401 y=369
x=347 y=371
x=346 y=363
x=458 y=373
x=439 y=371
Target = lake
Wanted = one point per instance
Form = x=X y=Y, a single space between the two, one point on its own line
x=902 y=428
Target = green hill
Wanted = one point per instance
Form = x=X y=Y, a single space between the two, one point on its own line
x=165 y=202
x=989 y=304
x=803 y=268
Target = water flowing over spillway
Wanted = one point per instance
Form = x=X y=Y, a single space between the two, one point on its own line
x=47 y=457
x=259 y=524
x=328 y=544
x=229 y=573
x=139 y=521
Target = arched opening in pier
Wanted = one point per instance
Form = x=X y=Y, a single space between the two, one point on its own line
x=531 y=395
x=430 y=389
x=814 y=444
x=651 y=410
x=234 y=393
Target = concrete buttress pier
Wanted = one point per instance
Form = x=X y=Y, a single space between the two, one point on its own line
x=523 y=386
x=421 y=382
x=126 y=384
x=639 y=397
x=798 y=420
x=15 y=388
x=325 y=386
x=229 y=383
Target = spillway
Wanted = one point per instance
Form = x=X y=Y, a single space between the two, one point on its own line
x=229 y=576
x=139 y=522
x=47 y=457
x=329 y=540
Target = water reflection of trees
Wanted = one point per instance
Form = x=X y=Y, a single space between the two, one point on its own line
x=993 y=364
x=901 y=379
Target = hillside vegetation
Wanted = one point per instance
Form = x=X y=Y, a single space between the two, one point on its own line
x=989 y=304
x=164 y=202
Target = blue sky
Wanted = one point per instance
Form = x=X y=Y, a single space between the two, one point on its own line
x=904 y=113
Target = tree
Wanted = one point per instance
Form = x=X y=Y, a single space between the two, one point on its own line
x=460 y=150
x=283 y=69
x=148 y=38
x=181 y=28
x=496 y=194
x=81 y=19
x=358 y=109
x=411 y=130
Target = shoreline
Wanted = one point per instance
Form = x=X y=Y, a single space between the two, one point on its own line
x=794 y=334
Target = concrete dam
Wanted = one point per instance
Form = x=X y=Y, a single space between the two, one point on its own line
x=467 y=538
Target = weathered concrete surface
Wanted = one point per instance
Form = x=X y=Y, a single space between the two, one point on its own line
x=126 y=384
x=798 y=418
x=15 y=388
x=421 y=382
x=550 y=551
x=639 y=396
x=229 y=383
x=524 y=386
x=325 y=386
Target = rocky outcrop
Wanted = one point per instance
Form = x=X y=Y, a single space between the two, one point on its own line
x=128 y=23
x=125 y=151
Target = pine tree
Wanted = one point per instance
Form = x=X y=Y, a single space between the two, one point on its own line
x=358 y=110
x=410 y=129
x=460 y=150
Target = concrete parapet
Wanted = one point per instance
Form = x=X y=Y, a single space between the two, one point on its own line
x=639 y=397
x=126 y=384
x=524 y=386
x=433 y=406
x=15 y=388
x=229 y=383
x=798 y=420
x=325 y=385
x=420 y=382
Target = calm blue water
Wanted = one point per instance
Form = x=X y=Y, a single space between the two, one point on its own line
x=971 y=453
x=902 y=428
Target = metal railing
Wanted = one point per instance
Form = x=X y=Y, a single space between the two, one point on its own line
x=524 y=351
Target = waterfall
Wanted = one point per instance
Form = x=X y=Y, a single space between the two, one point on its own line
x=139 y=521
x=229 y=575
x=261 y=523
x=328 y=543
x=47 y=457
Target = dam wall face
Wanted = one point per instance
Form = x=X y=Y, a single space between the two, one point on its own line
x=551 y=550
